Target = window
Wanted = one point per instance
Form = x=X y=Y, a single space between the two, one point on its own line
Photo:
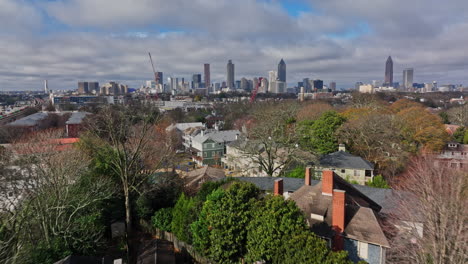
x=356 y=173
x=205 y=154
x=453 y=165
x=343 y=170
x=363 y=250
x=368 y=173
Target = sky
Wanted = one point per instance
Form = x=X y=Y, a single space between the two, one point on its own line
x=346 y=41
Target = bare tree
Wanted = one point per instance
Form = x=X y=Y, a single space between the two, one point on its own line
x=137 y=148
x=272 y=140
x=432 y=215
x=44 y=193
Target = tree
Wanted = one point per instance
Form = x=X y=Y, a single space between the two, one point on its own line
x=306 y=247
x=56 y=206
x=378 y=182
x=274 y=221
x=459 y=115
x=431 y=214
x=162 y=219
x=183 y=215
x=129 y=134
x=319 y=135
x=376 y=137
x=271 y=141
x=312 y=111
x=221 y=229
x=459 y=135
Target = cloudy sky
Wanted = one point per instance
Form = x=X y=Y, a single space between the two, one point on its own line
x=66 y=41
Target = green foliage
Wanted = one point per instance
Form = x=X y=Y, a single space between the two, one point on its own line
x=378 y=182
x=465 y=138
x=273 y=222
x=306 y=247
x=162 y=219
x=200 y=228
x=445 y=118
x=143 y=207
x=183 y=215
x=208 y=187
x=42 y=252
x=298 y=172
x=319 y=135
x=221 y=229
x=459 y=135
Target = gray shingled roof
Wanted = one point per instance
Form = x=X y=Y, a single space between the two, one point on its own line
x=217 y=136
x=386 y=198
x=30 y=120
x=77 y=118
x=345 y=160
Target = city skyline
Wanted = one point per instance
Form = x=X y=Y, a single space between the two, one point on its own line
x=67 y=41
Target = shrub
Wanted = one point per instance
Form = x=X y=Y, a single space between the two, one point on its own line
x=162 y=219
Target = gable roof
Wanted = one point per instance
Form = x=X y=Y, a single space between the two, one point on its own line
x=183 y=126
x=30 y=120
x=345 y=160
x=76 y=118
x=217 y=136
x=361 y=222
x=197 y=177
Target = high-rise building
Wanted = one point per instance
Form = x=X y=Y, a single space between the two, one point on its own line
x=244 y=84
x=408 y=78
x=272 y=77
x=83 y=87
x=282 y=71
x=230 y=75
x=332 y=86
x=318 y=84
x=389 y=72
x=160 y=78
x=207 y=77
x=306 y=85
x=196 y=81
x=46 y=87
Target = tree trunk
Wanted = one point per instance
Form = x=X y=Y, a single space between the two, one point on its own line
x=128 y=221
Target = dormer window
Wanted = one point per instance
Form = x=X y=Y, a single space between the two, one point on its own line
x=452 y=145
x=317 y=217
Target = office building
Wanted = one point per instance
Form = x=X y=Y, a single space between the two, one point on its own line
x=306 y=85
x=389 y=72
x=88 y=87
x=244 y=84
x=160 y=79
x=230 y=75
x=196 y=81
x=332 y=86
x=272 y=77
x=408 y=78
x=207 y=77
x=282 y=71
x=318 y=84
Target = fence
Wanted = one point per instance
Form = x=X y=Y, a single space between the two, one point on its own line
x=179 y=245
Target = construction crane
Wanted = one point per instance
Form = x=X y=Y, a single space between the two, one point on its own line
x=255 y=91
x=156 y=76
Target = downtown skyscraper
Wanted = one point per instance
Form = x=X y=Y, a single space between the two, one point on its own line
x=207 y=76
x=230 y=75
x=389 y=72
x=408 y=78
x=282 y=71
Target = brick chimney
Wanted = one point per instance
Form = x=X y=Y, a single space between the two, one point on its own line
x=308 y=176
x=327 y=183
x=278 y=190
x=338 y=217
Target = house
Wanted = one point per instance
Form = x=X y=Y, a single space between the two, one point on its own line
x=454 y=155
x=194 y=179
x=74 y=124
x=346 y=165
x=210 y=146
x=238 y=163
x=342 y=215
x=181 y=127
x=29 y=123
x=451 y=129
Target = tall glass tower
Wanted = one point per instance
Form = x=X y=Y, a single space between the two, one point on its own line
x=282 y=71
x=389 y=72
